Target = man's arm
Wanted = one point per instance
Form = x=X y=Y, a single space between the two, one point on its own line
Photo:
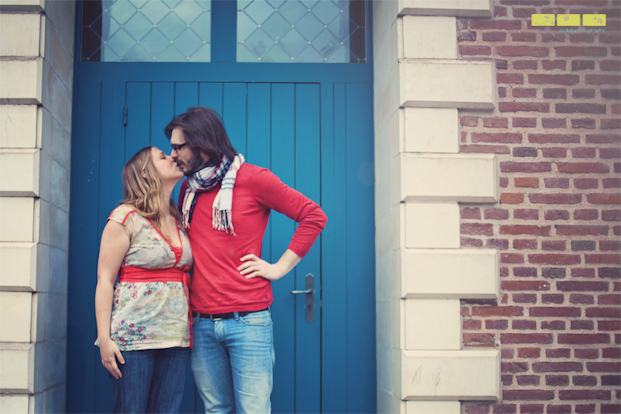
x=254 y=266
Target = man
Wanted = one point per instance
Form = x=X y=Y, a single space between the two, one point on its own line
x=225 y=204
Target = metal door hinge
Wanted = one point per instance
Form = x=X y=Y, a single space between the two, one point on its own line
x=125 y=111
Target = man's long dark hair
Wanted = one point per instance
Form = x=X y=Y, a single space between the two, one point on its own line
x=203 y=131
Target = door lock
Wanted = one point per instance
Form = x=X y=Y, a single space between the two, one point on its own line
x=310 y=297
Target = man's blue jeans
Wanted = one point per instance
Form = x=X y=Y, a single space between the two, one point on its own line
x=233 y=362
x=152 y=381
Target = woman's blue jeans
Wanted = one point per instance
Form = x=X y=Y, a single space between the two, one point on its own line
x=233 y=362
x=152 y=381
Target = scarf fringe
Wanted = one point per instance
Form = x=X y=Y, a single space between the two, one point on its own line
x=223 y=221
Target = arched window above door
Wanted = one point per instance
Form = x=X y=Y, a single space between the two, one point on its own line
x=278 y=31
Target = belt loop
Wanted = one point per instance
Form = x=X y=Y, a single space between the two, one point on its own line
x=236 y=315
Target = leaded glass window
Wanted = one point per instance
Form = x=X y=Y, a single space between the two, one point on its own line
x=331 y=31
x=146 y=31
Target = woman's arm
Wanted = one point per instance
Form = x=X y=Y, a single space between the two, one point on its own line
x=114 y=246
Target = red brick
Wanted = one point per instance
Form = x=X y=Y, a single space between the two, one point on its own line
x=567 y=80
x=610 y=123
x=525 y=380
x=583 y=167
x=584 y=394
x=525 y=229
x=578 y=298
x=479 y=338
x=553 y=298
x=524 y=285
x=524 y=297
x=552 y=37
x=553 y=245
x=523 y=107
x=603 y=312
x=610 y=65
x=504 y=138
x=583 y=339
x=603 y=138
x=471 y=121
x=611 y=182
x=583 y=272
x=608 y=299
x=511 y=258
x=586 y=183
x=558 y=409
x=554 y=259
x=582 y=325
x=488 y=149
x=523 y=395
x=553 y=138
x=527 y=167
x=495 y=122
x=584 y=380
x=570 y=286
x=607 y=153
x=583 y=152
x=475 y=50
x=554 y=311
x=533 y=51
x=524 y=324
x=513 y=366
x=557 y=380
x=611 y=215
x=558 y=353
x=497 y=311
x=583 y=93
x=470 y=213
x=500 y=324
x=609 y=272
x=554 y=123
x=526 y=338
x=556 y=182
x=496 y=24
x=557 y=367
x=526 y=214
x=510 y=78
x=555 y=93
x=611 y=353
x=523 y=12
x=477 y=229
x=496 y=214
x=611 y=408
x=586 y=214
x=522 y=92
x=609 y=325
x=554 y=152
x=553 y=325
x=524 y=244
x=586 y=353
x=556 y=215
x=465 y=241
x=579 y=108
x=501 y=244
x=511 y=198
x=523 y=122
x=585 y=408
x=604 y=198
x=527 y=182
x=603 y=259
x=582 y=38
x=494 y=36
x=573 y=51
x=584 y=123
x=524 y=152
x=602 y=79
x=472 y=324
x=567 y=230
x=524 y=64
x=553 y=64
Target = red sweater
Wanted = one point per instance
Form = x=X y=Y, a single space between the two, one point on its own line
x=217 y=286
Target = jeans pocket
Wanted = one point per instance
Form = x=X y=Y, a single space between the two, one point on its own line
x=262 y=318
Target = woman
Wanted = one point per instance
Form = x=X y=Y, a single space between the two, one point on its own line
x=143 y=326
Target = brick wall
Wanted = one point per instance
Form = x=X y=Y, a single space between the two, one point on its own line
x=556 y=131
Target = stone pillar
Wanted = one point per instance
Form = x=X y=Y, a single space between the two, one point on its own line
x=36 y=77
x=422 y=273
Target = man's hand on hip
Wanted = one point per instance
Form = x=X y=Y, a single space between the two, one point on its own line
x=254 y=266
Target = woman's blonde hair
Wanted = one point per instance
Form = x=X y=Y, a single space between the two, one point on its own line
x=144 y=191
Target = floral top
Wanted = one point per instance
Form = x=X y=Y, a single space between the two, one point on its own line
x=150 y=315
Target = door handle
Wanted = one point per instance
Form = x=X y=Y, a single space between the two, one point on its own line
x=309 y=306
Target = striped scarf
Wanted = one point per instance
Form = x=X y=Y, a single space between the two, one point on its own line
x=206 y=179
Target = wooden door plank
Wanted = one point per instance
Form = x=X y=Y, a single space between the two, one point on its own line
x=186 y=96
x=308 y=181
x=210 y=96
x=282 y=228
x=234 y=114
x=138 y=130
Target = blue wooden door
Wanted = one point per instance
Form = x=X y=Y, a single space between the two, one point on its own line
x=312 y=126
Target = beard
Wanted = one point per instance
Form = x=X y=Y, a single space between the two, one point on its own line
x=194 y=164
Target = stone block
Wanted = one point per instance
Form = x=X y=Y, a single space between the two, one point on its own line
x=19 y=34
x=56 y=271
x=19 y=172
x=458 y=8
x=56 y=53
x=16 y=219
x=389 y=369
x=61 y=14
x=466 y=178
x=455 y=273
x=432 y=407
x=56 y=140
x=448 y=84
x=432 y=324
x=432 y=225
x=17 y=362
x=55 y=363
x=429 y=37
x=56 y=96
x=431 y=130
x=389 y=322
x=56 y=316
x=18 y=126
x=21 y=81
x=389 y=404
x=33 y=6
x=14 y=403
x=18 y=266
x=15 y=315
x=451 y=375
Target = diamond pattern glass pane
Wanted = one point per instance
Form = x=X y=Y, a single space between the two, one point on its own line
x=146 y=31
x=328 y=31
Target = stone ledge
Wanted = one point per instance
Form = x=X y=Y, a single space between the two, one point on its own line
x=17 y=362
x=431 y=130
x=447 y=84
x=15 y=316
x=14 y=403
x=19 y=172
x=18 y=126
x=458 y=8
x=21 y=81
x=432 y=407
x=451 y=375
x=32 y=6
x=17 y=221
x=20 y=34
x=429 y=37
x=451 y=273
x=431 y=225
x=433 y=324
x=443 y=177
x=18 y=267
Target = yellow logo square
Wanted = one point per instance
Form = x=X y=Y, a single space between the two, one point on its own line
x=542 y=19
x=594 y=20
x=568 y=20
